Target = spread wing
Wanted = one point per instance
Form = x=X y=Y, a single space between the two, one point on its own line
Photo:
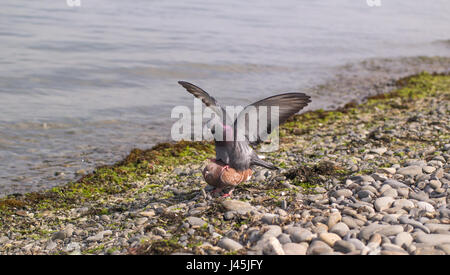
x=207 y=99
x=257 y=120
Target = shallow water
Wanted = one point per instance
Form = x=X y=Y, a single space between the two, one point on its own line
x=81 y=86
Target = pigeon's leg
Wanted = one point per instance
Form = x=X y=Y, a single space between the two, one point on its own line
x=223 y=169
x=228 y=194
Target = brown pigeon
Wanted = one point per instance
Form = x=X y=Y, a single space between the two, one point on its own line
x=219 y=175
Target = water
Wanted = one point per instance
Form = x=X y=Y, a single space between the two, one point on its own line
x=81 y=86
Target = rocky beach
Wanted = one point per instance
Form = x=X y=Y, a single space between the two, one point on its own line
x=365 y=179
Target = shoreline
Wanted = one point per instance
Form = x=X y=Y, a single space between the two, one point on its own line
x=344 y=180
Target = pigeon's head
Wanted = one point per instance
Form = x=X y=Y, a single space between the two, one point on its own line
x=221 y=132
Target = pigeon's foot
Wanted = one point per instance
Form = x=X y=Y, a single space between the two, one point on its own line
x=227 y=195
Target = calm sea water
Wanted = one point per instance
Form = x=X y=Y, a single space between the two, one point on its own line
x=81 y=86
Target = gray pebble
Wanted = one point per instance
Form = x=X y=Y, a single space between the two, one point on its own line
x=344 y=246
x=229 y=244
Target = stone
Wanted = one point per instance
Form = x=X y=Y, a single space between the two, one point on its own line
x=270 y=218
x=284 y=238
x=375 y=239
x=302 y=236
x=359 y=245
x=148 y=214
x=51 y=245
x=428 y=169
x=435 y=184
x=294 y=249
x=412 y=170
x=378 y=151
x=405 y=220
x=350 y=222
x=273 y=247
x=428 y=251
x=420 y=196
x=329 y=238
x=387 y=170
x=344 y=246
x=60 y=235
x=403 y=239
x=433 y=239
x=364 y=194
x=436 y=227
x=239 y=206
x=395 y=184
x=334 y=218
x=97 y=237
x=383 y=203
x=342 y=192
x=404 y=204
x=196 y=222
x=340 y=229
x=73 y=246
x=271 y=231
x=425 y=206
x=390 y=193
x=229 y=244
x=383 y=229
x=318 y=247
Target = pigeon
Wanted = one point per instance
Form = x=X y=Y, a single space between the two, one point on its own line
x=235 y=151
x=215 y=175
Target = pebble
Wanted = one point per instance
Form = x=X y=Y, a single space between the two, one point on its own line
x=343 y=192
x=51 y=245
x=344 y=246
x=97 y=237
x=428 y=169
x=359 y=245
x=436 y=227
x=387 y=170
x=284 y=238
x=329 y=238
x=148 y=214
x=318 y=247
x=378 y=151
x=383 y=229
x=295 y=249
x=196 y=222
x=229 y=244
x=340 y=229
x=271 y=219
x=395 y=184
x=404 y=204
x=403 y=239
x=236 y=205
x=273 y=247
x=405 y=220
x=334 y=218
x=383 y=203
x=433 y=239
x=425 y=206
x=350 y=222
x=412 y=170
x=303 y=235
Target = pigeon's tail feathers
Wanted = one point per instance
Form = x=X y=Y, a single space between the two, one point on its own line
x=262 y=163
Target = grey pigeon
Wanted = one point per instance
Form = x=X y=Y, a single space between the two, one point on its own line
x=238 y=153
